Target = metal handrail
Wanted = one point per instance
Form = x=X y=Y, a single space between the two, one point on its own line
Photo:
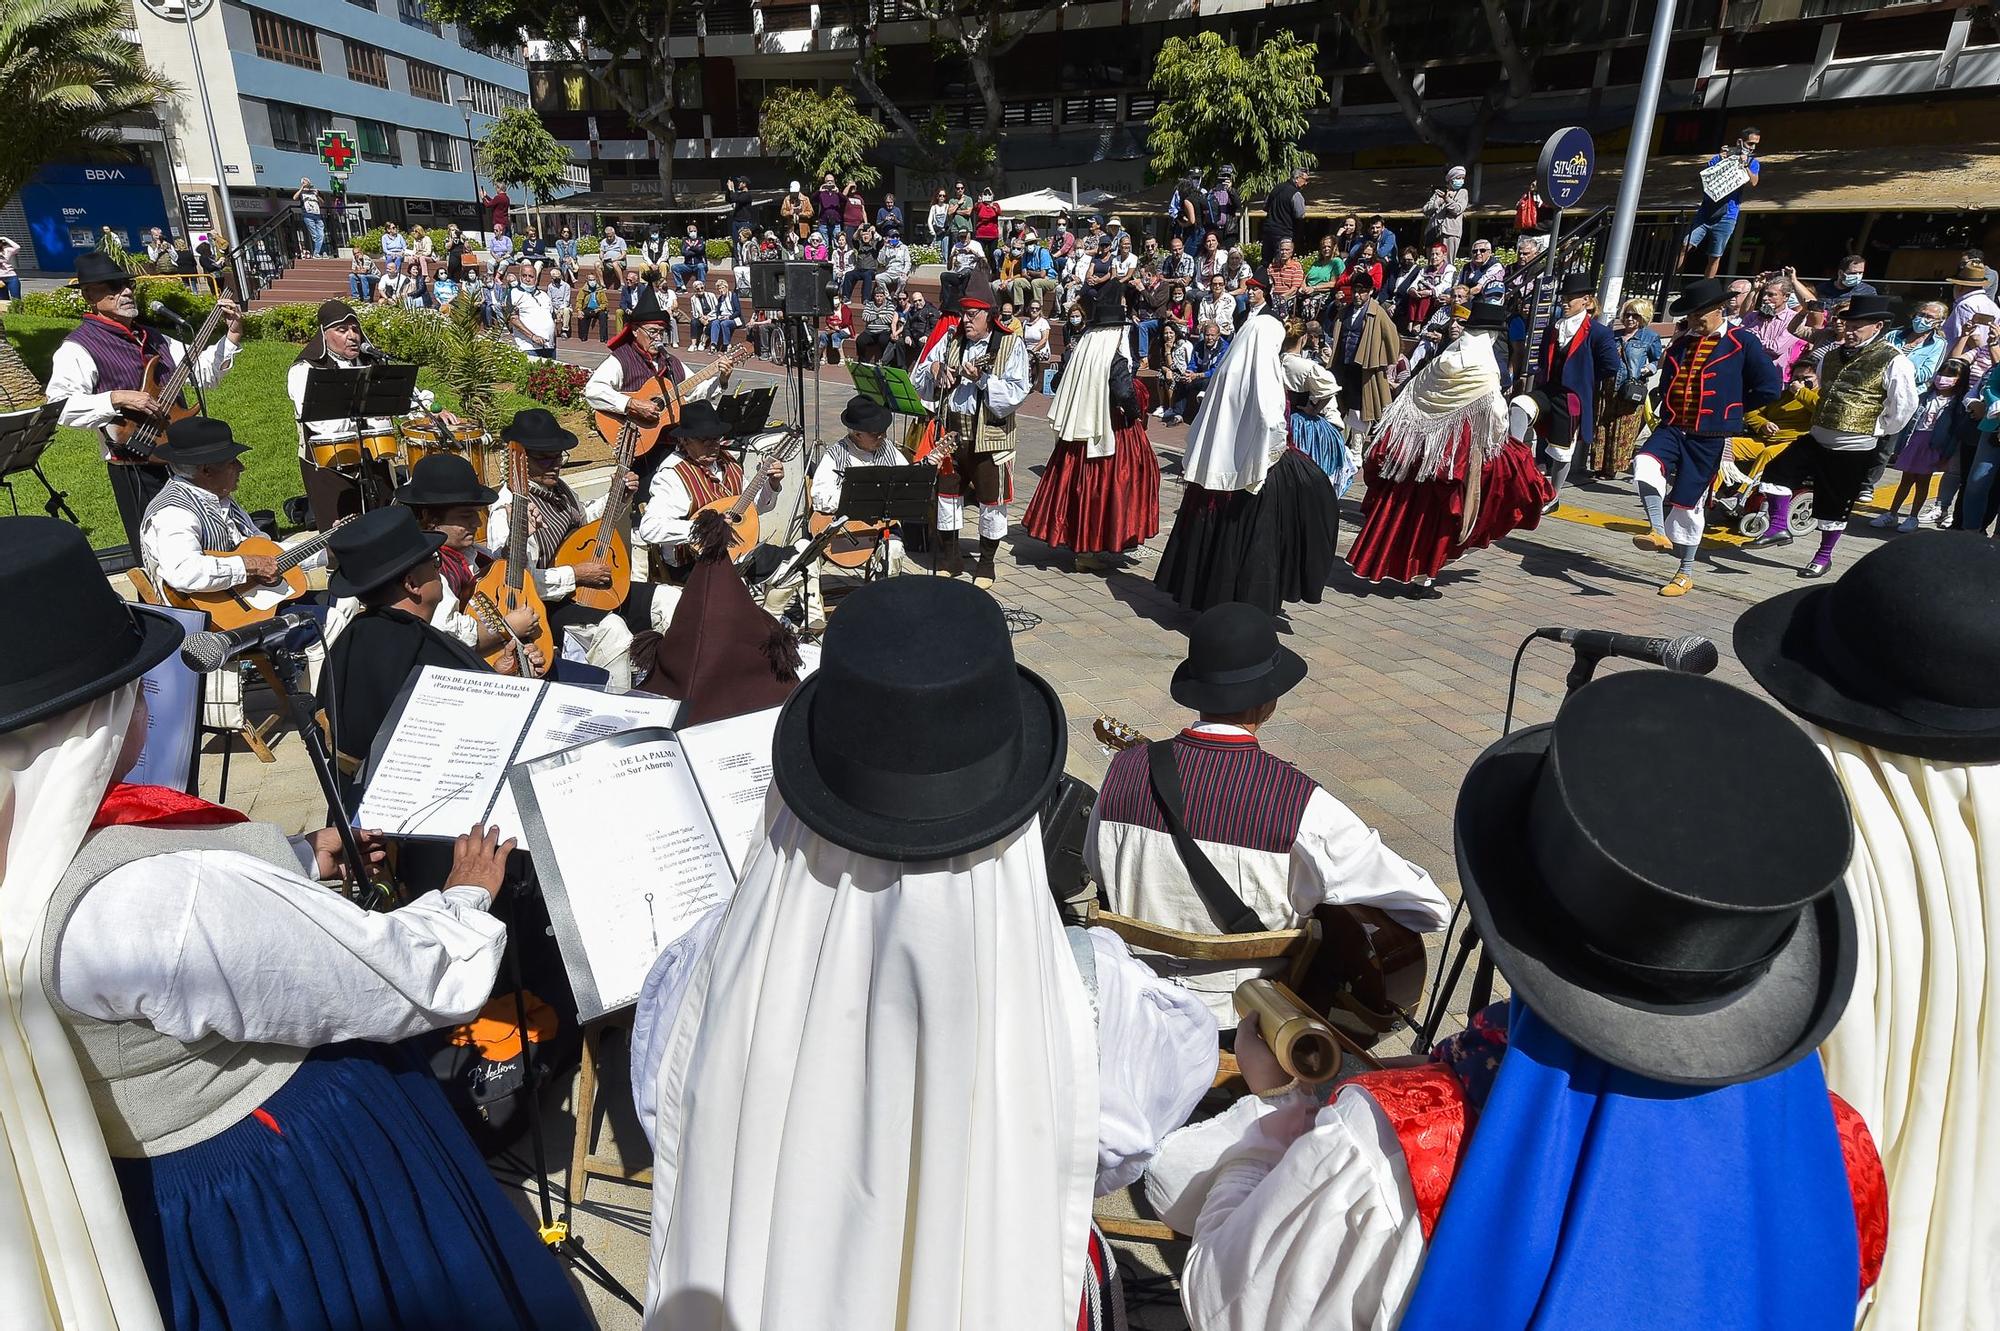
x=268 y=251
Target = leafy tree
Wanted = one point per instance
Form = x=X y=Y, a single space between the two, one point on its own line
x=824 y=132
x=1219 y=105
x=519 y=148
x=622 y=46
x=1369 y=20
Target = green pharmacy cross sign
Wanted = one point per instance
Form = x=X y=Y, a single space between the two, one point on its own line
x=336 y=151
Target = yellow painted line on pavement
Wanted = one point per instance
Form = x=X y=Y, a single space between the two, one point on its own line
x=1633 y=523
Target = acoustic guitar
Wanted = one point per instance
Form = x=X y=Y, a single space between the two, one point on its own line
x=669 y=400
x=609 y=539
x=1368 y=974
x=134 y=438
x=853 y=545
x=255 y=602
x=507 y=583
x=741 y=510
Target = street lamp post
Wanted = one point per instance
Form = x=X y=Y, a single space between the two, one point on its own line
x=1619 y=245
x=191 y=11
x=472 y=160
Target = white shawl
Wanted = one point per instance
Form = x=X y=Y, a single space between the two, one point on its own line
x=1457 y=390
x=67 y=1258
x=1240 y=430
x=1082 y=409
x=878 y=1103
x=1917 y=1052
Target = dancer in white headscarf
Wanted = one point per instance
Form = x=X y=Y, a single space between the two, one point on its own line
x=873 y=1078
x=1896 y=670
x=1258 y=521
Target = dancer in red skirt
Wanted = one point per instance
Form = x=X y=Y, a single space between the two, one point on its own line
x=1100 y=494
x=1444 y=475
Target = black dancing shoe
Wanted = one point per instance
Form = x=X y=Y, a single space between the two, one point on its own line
x=1775 y=536
x=1815 y=570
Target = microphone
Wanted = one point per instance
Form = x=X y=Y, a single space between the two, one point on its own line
x=210 y=651
x=162 y=314
x=1689 y=654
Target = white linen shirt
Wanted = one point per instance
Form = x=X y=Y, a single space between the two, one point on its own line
x=604 y=391
x=170 y=545
x=832 y=470
x=73 y=381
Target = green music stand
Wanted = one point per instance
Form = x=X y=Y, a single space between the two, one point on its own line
x=888 y=386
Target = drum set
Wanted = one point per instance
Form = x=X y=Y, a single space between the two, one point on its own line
x=378 y=461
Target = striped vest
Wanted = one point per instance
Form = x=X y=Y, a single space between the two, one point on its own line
x=224 y=524
x=705 y=489
x=120 y=355
x=639 y=371
x=1235 y=793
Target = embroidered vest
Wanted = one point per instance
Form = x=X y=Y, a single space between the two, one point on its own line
x=639 y=371
x=120 y=356
x=988 y=433
x=1853 y=388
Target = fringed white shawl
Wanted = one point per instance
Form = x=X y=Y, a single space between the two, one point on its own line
x=1455 y=398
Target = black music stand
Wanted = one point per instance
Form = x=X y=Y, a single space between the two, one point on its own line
x=354 y=396
x=24 y=437
x=889 y=494
x=747 y=412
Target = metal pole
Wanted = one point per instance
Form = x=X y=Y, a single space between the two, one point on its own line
x=1627 y=211
x=215 y=150
x=472 y=165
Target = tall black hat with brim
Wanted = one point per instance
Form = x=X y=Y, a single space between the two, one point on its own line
x=442 y=480
x=1487 y=314
x=95 y=267
x=1685 y=948
x=195 y=441
x=700 y=420
x=1867 y=308
x=1108 y=310
x=78 y=641
x=1576 y=284
x=376 y=548
x=1704 y=293
x=538 y=431
x=866 y=415
x=919 y=737
x=1235 y=662
x=1902 y=653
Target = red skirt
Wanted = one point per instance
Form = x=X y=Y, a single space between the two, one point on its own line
x=1409 y=529
x=1099 y=505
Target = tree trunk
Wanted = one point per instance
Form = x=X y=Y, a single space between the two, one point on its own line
x=930 y=161
x=18 y=385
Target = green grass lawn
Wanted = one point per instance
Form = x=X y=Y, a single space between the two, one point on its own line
x=251 y=397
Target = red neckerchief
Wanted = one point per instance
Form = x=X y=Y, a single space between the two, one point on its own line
x=128 y=805
x=457 y=571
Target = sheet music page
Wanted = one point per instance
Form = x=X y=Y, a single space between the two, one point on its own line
x=448 y=756
x=568 y=716
x=731 y=760
x=627 y=857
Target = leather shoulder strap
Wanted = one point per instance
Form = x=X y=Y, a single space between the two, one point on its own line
x=1227 y=908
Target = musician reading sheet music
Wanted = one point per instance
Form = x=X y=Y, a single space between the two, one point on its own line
x=695 y=474
x=866 y=444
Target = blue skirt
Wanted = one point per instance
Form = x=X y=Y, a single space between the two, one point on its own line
x=1320 y=439
x=351 y=1201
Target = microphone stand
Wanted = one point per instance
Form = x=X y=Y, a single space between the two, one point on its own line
x=290 y=667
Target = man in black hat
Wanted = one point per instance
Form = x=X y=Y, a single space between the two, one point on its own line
x=445 y=494
x=1867 y=392
x=1579 y=352
x=99 y=375
x=1711 y=376
x=1282 y=844
x=333 y=494
x=866 y=444
x=695 y=473
x=197 y=513
x=1895 y=672
x=642 y=367
x=1642 y=1136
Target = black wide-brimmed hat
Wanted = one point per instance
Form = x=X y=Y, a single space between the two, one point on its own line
x=866 y=415
x=195 y=441
x=1487 y=314
x=1576 y=284
x=74 y=639
x=1704 y=293
x=1902 y=653
x=919 y=737
x=1867 y=308
x=700 y=420
x=441 y=480
x=1666 y=941
x=376 y=547
x=538 y=431
x=95 y=267
x=1109 y=309
x=1235 y=661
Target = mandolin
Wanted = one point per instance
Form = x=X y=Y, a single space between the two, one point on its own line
x=507 y=583
x=609 y=539
x=646 y=436
x=134 y=439
x=1369 y=971
x=741 y=510
x=255 y=602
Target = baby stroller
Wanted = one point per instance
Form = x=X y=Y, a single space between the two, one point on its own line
x=1736 y=500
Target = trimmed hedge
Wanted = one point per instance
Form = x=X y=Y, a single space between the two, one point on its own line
x=587 y=245
x=719 y=251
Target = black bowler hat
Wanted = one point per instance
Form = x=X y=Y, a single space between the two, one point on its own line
x=700 y=420
x=1109 y=309
x=1682 y=947
x=1903 y=653
x=1487 y=314
x=918 y=738
x=866 y=415
x=1867 y=308
x=377 y=547
x=1576 y=284
x=95 y=267
x=74 y=640
x=440 y=480
x=538 y=431
x=1704 y=293
x=197 y=440
x=1235 y=662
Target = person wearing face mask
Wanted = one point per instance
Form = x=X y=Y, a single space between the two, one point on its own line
x=1849 y=283
x=986 y=227
x=1715 y=219
x=1921 y=341
x=1711 y=376
x=692 y=270
x=1928 y=443
x=1444 y=212
x=1867 y=391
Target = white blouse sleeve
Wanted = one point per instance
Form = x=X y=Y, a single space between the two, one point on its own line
x=601 y=389
x=1339 y=859
x=1156 y=1056
x=1302 y=1216
x=215 y=942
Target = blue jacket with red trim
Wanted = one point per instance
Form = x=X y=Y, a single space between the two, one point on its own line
x=1740 y=376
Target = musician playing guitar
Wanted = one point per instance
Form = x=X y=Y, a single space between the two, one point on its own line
x=694 y=474
x=99 y=375
x=445 y=494
x=866 y=444
x=1281 y=843
x=196 y=512
x=641 y=367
